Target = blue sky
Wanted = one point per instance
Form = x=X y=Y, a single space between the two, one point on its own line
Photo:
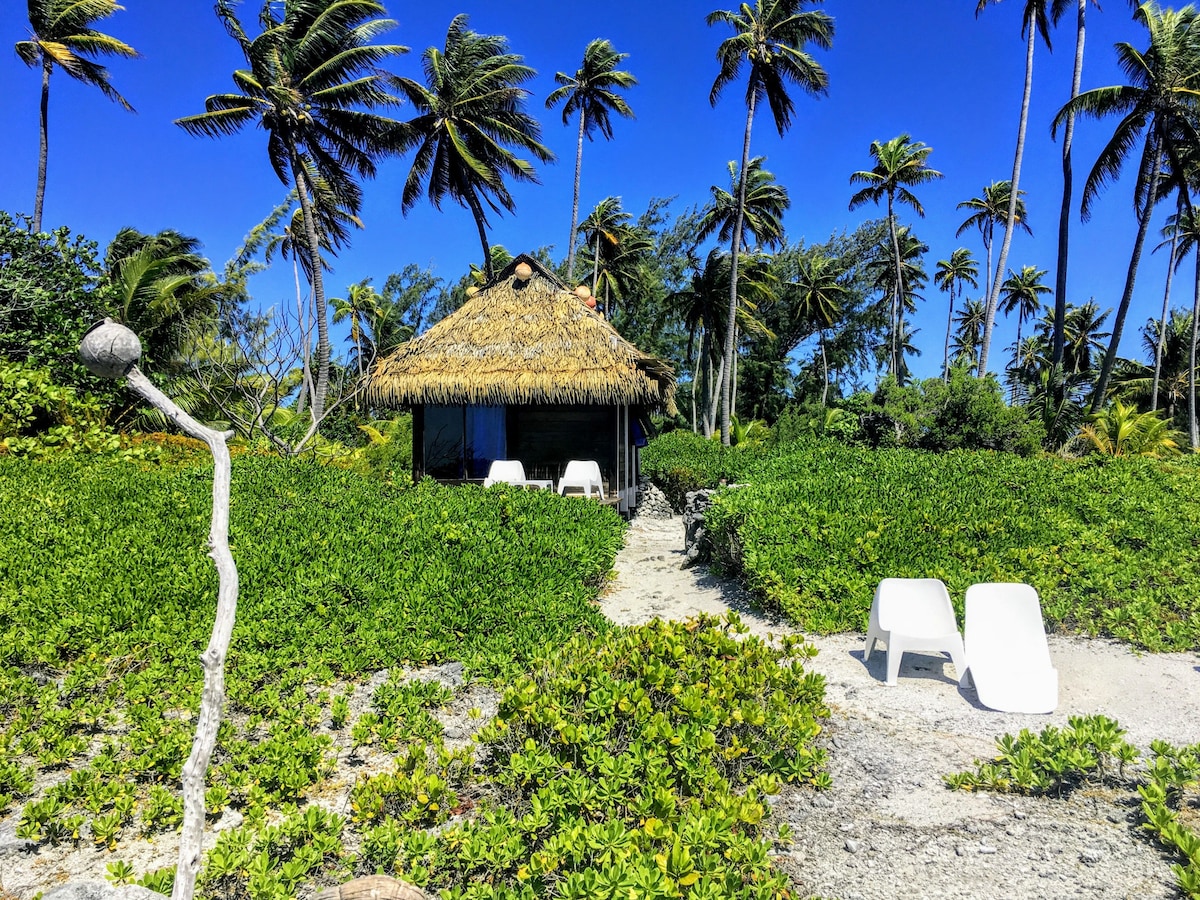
x=929 y=68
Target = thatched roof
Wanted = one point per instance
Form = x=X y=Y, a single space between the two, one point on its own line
x=519 y=342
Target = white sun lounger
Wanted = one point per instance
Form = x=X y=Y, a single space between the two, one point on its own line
x=507 y=471
x=1008 y=657
x=583 y=474
x=910 y=614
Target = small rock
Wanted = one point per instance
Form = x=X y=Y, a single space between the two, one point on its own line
x=1089 y=856
x=822 y=802
x=986 y=849
x=960 y=850
x=853 y=846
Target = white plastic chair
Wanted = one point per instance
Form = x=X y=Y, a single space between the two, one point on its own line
x=509 y=471
x=1008 y=657
x=911 y=614
x=583 y=474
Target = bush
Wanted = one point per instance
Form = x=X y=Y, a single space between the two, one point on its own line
x=967 y=413
x=41 y=418
x=681 y=461
x=1110 y=546
x=637 y=763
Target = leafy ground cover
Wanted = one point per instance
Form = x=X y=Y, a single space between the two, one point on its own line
x=107 y=599
x=1109 y=544
x=621 y=760
x=1092 y=751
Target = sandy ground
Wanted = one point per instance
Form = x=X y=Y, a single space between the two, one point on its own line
x=890 y=827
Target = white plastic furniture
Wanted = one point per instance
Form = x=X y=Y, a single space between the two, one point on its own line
x=1008 y=658
x=910 y=614
x=583 y=474
x=509 y=471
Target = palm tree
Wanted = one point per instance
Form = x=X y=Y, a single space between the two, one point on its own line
x=1033 y=21
x=881 y=270
x=771 y=36
x=602 y=231
x=969 y=334
x=161 y=287
x=819 y=295
x=1120 y=430
x=1187 y=227
x=312 y=84
x=762 y=212
x=900 y=164
x=472 y=109
x=1021 y=293
x=591 y=92
x=699 y=306
x=61 y=34
x=1171 y=231
x=1082 y=337
x=1159 y=101
x=950 y=276
x=989 y=211
x=1060 y=281
x=1166 y=342
x=360 y=304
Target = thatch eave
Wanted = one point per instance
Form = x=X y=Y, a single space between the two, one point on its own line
x=522 y=342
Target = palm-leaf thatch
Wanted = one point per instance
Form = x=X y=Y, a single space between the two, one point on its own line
x=520 y=342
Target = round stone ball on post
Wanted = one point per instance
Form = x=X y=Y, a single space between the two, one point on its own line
x=109 y=349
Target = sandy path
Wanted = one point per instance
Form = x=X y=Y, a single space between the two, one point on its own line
x=890 y=822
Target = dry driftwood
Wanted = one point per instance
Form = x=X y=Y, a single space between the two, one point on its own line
x=373 y=887
x=111 y=350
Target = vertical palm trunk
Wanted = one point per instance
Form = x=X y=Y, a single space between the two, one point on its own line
x=1162 y=323
x=596 y=264
x=1193 y=430
x=321 y=389
x=44 y=146
x=946 y=353
x=1110 y=357
x=481 y=227
x=897 y=291
x=1064 y=216
x=825 y=367
x=714 y=401
x=306 y=384
x=1012 y=394
x=989 y=312
x=575 y=204
x=730 y=335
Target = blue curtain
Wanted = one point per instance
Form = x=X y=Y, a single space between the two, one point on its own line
x=486 y=438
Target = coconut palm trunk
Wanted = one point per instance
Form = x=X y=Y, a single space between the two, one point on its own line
x=1110 y=357
x=824 y=367
x=321 y=387
x=1193 y=430
x=1011 y=219
x=481 y=226
x=575 y=201
x=1064 y=215
x=897 y=289
x=731 y=325
x=1162 y=323
x=43 y=147
x=949 y=328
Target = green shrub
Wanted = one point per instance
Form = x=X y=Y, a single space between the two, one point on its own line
x=41 y=418
x=680 y=461
x=1109 y=545
x=967 y=413
x=636 y=763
